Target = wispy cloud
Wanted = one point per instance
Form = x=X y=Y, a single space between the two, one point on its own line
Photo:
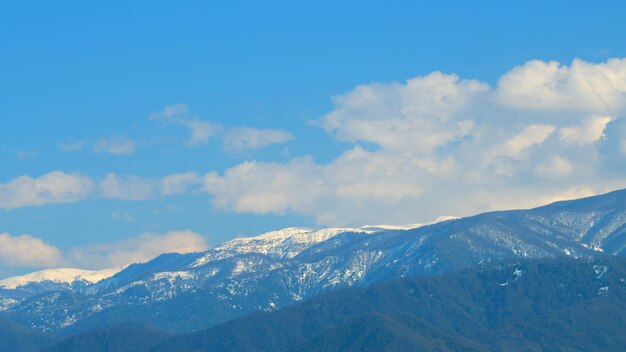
x=128 y=187
x=115 y=145
x=131 y=187
x=136 y=249
x=201 y=130
x=180 y=183
x=235 y=139
x=246 y=138
x=72 y=145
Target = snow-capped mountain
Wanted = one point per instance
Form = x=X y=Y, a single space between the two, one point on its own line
x=15 y=289
x=193 y=291
x=61 y=276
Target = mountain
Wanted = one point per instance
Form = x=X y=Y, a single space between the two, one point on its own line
x=189 y=292
x=559 y=304
x=525 y=305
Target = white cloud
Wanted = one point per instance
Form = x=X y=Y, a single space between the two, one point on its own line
x=555 y=167
x=531 y=135
x=115 y=145
x=60 y=187
x=245 y=138
x=128 y=187
x=170 y=111
x=446 y=146
x=137 y=249
x=592 y=130
x=54 y=187
x=131 y=187
x=179 y=183
x=201 y=131
x=418 y=116
x=437 y=145
x=597 y=88
x=235 y=139
x=368 y=183
x=27 y=251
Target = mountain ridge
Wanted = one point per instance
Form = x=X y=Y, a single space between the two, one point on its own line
x=275 y=269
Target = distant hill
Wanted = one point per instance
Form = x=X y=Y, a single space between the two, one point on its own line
x=18 y=338
x=129 y=337
x=553 y=305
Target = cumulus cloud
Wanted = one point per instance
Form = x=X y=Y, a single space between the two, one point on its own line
x=444 y=145
x=418 y=116
x=54 y=187
x=246 y=138
x=531 y=135
x=115 y=145
x=136 y=249
x=367 y=183
x=596 y=88
x=592 y=130
x=27 y=251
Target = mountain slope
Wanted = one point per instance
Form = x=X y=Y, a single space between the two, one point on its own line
x=123 y=338
x=17 y=338
x=273 y=270
x=565 y=304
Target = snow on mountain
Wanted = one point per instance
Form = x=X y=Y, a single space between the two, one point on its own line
x=277 y=268
x=285 y=243
x=61 y=275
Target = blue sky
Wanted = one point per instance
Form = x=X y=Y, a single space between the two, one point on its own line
x=184 y=125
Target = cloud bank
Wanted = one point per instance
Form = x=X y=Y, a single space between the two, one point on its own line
x=443 y=145
x=433 y=145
